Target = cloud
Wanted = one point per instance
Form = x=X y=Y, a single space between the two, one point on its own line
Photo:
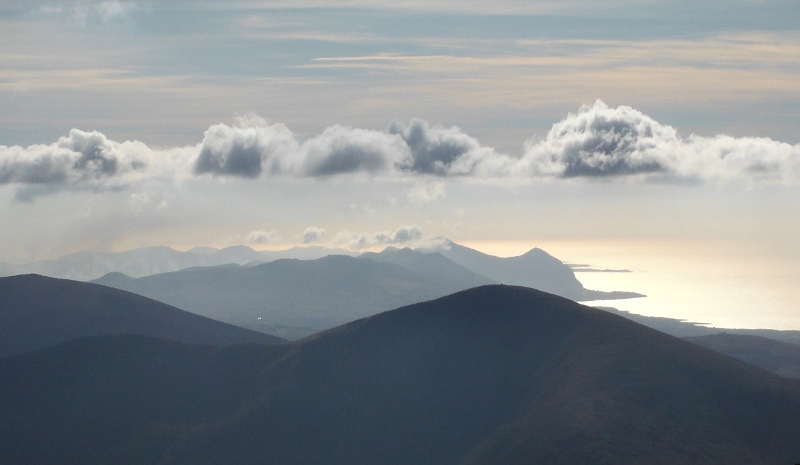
x=113 y=9
x=423 y=193
x=435 y=149
x=263 y=237
x=83 y=12
x=363 y=240
x=81 y=156
x=312 y=235
x=252 y=147
x=596 y=142
x=89 y=160
x=600 y=141
x=139 y=201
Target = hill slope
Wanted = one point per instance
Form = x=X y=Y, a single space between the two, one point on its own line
x=490 y=375
x=37 y=312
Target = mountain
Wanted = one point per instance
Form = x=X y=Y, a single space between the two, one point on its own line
x=536 y=268
x=291 y=298
x=86 y=266
x=490 y=375
x=778 y=357
x=37 y=312
x=432 y=266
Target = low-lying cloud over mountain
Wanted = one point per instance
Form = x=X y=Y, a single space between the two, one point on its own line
x=363 y=240
x=597 y=142
x=313 y=234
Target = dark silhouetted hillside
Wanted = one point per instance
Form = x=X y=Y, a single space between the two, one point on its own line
x=37 y=312
x=491 y=375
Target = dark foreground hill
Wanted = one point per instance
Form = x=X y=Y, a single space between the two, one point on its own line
x=37 y=312
x=487 y=376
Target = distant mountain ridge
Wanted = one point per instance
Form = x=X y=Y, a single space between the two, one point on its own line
x=432 y=266
x=303 y=296
x=495 y=374
x=86 y=266
x=536 y=269
x=296 y=298
x=38 y=312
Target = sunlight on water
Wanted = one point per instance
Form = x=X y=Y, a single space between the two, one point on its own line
x=723 y=284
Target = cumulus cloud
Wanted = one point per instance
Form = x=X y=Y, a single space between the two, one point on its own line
x=436 y=149
x=600 y=141
x=262 y=237
x=596 y=142
x=252 y=147
x=81 y=156
x=312 y=235
x=90 y=159
x=363 y=240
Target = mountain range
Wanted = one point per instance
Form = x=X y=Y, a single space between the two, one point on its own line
x=86 y=266
x=296 y=298
x=494 y=374
x=535 y=268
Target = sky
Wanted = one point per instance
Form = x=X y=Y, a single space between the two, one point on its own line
x=362 y=124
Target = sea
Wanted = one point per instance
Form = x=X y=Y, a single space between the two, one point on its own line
x=718 y=283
